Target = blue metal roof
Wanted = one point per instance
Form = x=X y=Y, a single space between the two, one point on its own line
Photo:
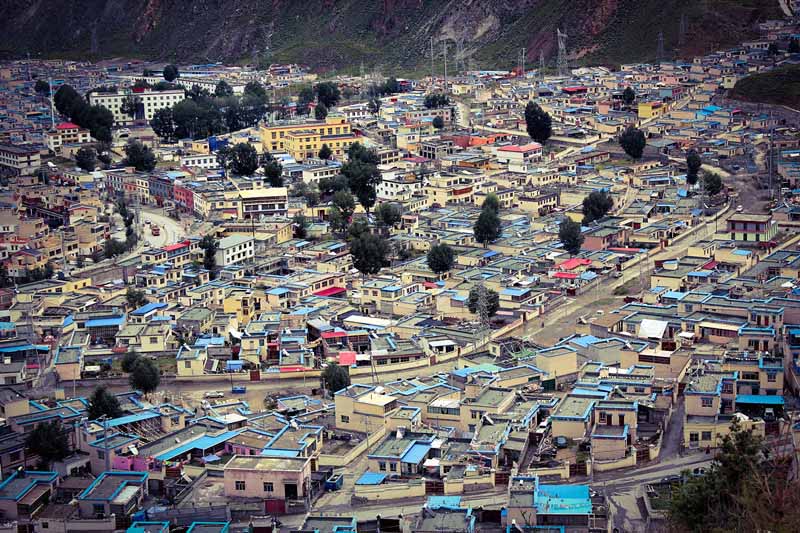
x=371 y=478
x=416 y=453
x=148 y=308
x=203 y=443
x=105 y=322
x=759 y=399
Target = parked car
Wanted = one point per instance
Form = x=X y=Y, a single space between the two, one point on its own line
x=214 y=394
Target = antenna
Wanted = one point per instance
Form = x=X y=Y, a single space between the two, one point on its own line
x=563 y=66
x=541 y=64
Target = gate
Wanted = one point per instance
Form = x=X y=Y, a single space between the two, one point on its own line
x=434 y=486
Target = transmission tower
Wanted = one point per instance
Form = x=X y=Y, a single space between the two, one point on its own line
x=460 y=67
x=682 y=31
x=482 y=310
x=522 y=52
x=563 y=67
x=660 y=48
x=444 y=53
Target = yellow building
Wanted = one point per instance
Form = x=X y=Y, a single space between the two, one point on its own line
x=304 y=139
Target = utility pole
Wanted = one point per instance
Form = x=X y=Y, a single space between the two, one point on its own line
x=52 y=112
x=541 y=64
x=522 y=62
x=104 y=419
x=433 y=73
x=444 y=52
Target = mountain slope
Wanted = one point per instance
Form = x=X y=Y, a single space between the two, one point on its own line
x=392 y=34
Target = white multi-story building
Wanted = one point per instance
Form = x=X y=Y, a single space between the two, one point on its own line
x=67 y=133
x=205 y=161
x=235 y=249
x=148 y=103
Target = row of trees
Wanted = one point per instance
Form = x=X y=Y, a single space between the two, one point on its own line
x=96 y=118
x=242 y=159
x=203 y=114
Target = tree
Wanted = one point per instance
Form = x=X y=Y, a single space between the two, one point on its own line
x=596 y=206
x=438 y=123
x=361 y=171
x=335 y=378
x=67 y=100
x=171 y=73
x=139 y=156
x=388 y=214
x=163 y=124
x=712 y=183
x=144 y=376
x=693 y=164
x=487 y=227
x=273 y=170
x=343 y=206
x=209 y=246
x=772 y=49
x=320 y=111
x=436 y=101
x=491 y=202
x=130 y=104
x=304 y=97
x=569 y=233
x=128 y=361
x=628 y=96
x=374 y=105
x=490 y=297
x=794 y=46
x=102 y=403
x=49 y=441
x=333 y=184
x=86 y=159
x=325 y=152
x=369 y=253
x=243 y=159
x=300 y=223
x=633 y=142
x=328 y=93
x=440 y=258
x=135 y=298
x=538 y=123
x=41 y=87
x=722 y=498
x=223 y=89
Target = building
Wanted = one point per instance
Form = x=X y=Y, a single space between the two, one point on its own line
x=286 y=478
x=147 y=103
x=67 y=133
x=254 y=203
x=752 y=228
x=520 y=158
x=303 y=140
x=235 y=249
x=22 y=160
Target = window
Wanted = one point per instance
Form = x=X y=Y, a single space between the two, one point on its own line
x=101 y=454
x=393 y=467
x=268 y=487
x=187 y=364
x=705 y=435
x=707 y=402
x=239 y=485
x=693 y=437
x=345 y=419
x=772 y=377
x=382 y=466
x=45 y=525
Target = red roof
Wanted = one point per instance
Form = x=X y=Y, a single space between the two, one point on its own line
x=333 y=334
x=331 y=291
x=176 y=246
x=347 y=358
x=530 y=147
x=566 y=275
x=67 y=126
x=711 y=265
x=430 y=285
x=575 y=262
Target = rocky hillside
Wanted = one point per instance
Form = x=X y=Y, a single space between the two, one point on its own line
x=393 y=35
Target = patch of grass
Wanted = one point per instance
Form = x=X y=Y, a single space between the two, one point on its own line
x=780 y=86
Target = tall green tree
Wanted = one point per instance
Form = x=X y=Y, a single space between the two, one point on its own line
x=628 y=96
x=693 y=164
x=163 y=124
x=171 y=73
x=243 y=159
x=440 y=258
x=86 y=158
x=487 y=228
x=325 y=152
x=490 y=303
x=41 y=87
x=135 y=298
x=633 y=142
x=209 y=246
x=363 y=178
x=387 y=214
x=335 y=378
x=436 y=101
x=130 y=104
x=328 y=94
x=438 y=123
x=596 y=205
x=712 y=183
x=144 y=376
x=129 y=361
x=103 y=403
x=320 y=111
x=300 y=224
x=304 y=98
x=538 y=122
x=343 y=207
x=374 y=105
x=369 y=253
x=49 y=441
x=569 y=233
x=223 y=89
x=491 y=202
x=139 y=156
x=273 y=170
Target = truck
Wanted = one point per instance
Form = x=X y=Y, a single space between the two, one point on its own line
x=155 y=230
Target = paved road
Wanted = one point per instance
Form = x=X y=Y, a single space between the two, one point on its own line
x=171 y=230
